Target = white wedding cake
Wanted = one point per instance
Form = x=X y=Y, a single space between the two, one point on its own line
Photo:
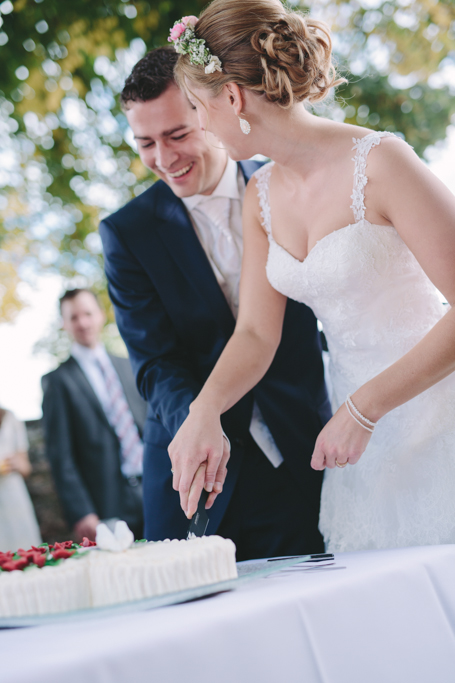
x=93 y=577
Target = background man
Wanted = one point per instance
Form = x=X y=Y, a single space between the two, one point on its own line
x=172 y=259
x=93 y=421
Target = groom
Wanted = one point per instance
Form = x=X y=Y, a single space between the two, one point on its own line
x=172 y=259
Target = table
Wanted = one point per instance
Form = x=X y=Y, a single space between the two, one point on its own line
x=388 y=616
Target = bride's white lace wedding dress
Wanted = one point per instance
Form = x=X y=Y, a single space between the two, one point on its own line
x=375 y=303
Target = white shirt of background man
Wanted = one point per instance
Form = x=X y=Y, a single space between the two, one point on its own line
x=217 y=219
x=87 y=359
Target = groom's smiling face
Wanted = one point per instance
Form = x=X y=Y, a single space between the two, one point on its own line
x=171 y=143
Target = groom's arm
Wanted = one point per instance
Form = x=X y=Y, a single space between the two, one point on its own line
x=163 y=372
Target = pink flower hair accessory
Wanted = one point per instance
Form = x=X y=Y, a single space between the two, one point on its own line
x=191 y=20
x=176 y=31
x=183 y=35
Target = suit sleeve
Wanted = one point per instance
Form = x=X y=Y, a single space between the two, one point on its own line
x=58 y=433
x=160 y=363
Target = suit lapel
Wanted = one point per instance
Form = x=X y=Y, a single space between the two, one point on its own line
x=85 y=387
x=122 y=368
x=249 y=167
x=177 y=232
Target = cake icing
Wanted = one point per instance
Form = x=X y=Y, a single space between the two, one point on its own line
x=94 y=577
x=159 y=568
x=62 y=588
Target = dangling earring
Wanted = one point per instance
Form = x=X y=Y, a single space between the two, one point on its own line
x=245 y=127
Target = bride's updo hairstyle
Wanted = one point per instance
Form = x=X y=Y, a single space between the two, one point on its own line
x=266 y=48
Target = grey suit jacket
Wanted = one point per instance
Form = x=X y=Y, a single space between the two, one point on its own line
x=82 y=447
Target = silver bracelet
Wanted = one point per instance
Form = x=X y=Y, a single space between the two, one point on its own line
x=227 y=439
x=358 y=413
x=369 y=429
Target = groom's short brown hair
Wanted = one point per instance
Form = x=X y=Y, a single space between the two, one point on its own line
x=150 y=77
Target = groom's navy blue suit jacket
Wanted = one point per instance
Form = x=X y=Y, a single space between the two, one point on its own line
x=176 y=321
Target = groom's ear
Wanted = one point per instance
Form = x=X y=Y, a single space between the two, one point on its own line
x=235 y=97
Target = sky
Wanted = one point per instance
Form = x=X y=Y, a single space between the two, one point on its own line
x=21 y=369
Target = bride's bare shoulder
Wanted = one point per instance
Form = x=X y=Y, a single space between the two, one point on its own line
x=348 y=134
x=387 y=151
x=392 y=155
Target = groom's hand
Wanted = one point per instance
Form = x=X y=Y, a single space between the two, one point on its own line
x=199 y=454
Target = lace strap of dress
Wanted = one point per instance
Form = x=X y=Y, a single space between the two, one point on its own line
x=363 y=146
x=262 y=177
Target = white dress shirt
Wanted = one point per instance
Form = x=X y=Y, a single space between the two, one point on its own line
x=217 y=219
x=87 y=359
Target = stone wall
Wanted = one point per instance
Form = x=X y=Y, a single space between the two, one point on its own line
x=42 y=490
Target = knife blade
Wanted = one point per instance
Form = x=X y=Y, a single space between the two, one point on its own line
x=200 y=519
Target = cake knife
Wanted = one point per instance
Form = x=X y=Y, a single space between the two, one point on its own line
x=200 y=519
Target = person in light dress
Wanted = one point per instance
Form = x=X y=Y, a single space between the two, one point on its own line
x=350 y=222
x=18 y=525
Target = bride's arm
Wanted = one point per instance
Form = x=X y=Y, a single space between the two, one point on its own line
x=244 y=361
x=422 y=210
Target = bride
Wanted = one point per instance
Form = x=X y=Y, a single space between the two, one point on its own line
x=351 y=223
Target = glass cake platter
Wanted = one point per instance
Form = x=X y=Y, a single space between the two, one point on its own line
x=247 y=571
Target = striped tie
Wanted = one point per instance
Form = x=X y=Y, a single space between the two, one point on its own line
x=121 y=420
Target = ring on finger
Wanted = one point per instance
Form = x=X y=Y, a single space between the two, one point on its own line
x=341 y=464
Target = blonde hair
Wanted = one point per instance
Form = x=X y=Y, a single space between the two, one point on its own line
x=264 y=47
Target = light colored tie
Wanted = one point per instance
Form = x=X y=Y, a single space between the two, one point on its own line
x=121 y=420
x=224 y=249
x=217 y=209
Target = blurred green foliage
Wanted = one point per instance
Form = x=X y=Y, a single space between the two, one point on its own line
x=64 y=160
x=399 y=57
x=67 y=158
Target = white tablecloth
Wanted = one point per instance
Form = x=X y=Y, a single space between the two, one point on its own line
x=388 y=617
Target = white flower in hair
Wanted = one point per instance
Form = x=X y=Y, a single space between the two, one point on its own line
x=213 y=65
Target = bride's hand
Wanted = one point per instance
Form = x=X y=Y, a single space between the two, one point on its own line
x=342 y=440
x=199 y=441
